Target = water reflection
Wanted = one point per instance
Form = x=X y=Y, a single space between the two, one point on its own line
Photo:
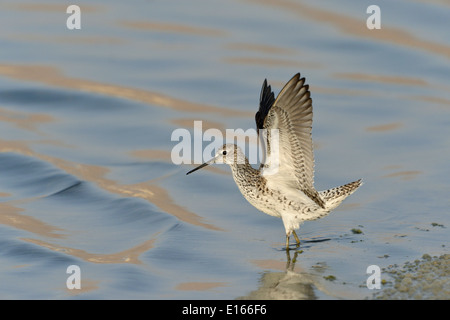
x=175 y=28
x=286 y=285
x=12 y=217
x=97 y=174
x=130 y=255
x=54 y=77
x=350 y=25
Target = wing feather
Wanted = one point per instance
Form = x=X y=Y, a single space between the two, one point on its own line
x=266 y=100
x=291 y=113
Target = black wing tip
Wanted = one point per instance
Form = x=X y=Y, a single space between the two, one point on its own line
x=266 y=100
x=266 y=91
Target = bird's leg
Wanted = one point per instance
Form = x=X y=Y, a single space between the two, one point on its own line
x=287 y=242
x=297 y=240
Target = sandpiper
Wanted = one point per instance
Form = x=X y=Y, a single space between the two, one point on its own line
x=288 y=192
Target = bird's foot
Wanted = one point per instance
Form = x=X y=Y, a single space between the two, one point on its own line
x=297 y=241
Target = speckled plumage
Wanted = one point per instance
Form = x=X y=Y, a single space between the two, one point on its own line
x=285 y=190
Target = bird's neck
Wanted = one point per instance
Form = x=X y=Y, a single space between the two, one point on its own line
x=244 y=173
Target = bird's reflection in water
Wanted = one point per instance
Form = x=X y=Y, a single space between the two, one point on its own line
x=287 y=285
x=290 y=263
x=290 y=284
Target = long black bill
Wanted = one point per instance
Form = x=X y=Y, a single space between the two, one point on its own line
x=199 y=167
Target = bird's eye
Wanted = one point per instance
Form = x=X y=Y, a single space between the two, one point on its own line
x=224 y=152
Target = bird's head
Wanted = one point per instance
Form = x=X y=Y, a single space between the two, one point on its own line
x=229 y=153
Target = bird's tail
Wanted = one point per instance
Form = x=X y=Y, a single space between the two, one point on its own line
x=333 y=197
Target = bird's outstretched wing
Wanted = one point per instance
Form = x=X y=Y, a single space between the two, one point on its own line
x=291 y=114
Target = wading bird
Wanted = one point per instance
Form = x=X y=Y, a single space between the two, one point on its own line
x=288 y=191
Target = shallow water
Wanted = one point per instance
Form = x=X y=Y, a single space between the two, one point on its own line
x=87 y=115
